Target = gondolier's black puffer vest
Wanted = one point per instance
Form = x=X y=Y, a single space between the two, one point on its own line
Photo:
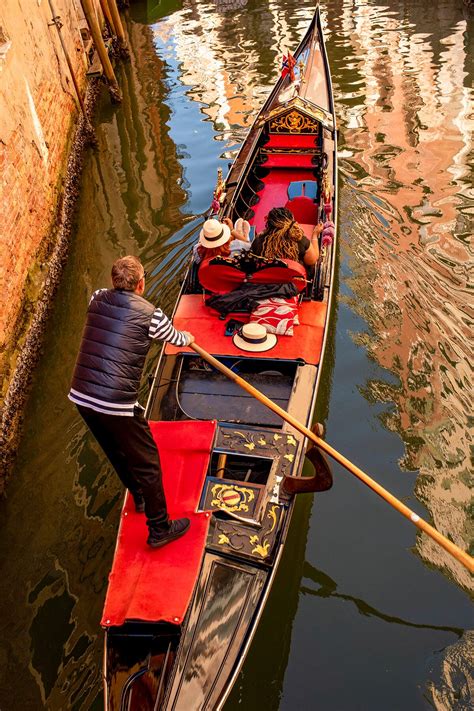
x=114 y=346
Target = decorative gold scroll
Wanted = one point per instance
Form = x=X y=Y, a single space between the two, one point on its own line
x=293 y=122
x=305 y=109
x=232 y=535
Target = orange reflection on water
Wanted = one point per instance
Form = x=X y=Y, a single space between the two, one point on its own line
x=221 y=61
x=406 y=145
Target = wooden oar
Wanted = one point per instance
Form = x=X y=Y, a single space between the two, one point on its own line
x=444 y=542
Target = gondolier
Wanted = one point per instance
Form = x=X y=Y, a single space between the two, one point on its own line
x=119 y=329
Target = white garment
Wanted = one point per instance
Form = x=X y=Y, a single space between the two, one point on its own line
x=236 y=246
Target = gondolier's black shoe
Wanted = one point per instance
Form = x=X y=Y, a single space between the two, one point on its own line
x=139 y=502
x=161 y=534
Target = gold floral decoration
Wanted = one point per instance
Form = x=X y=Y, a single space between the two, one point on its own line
x=272 y=516
x=262 y=549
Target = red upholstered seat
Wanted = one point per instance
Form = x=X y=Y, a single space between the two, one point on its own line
x=275 y=191
x=304 y=210
x=289 y=160
x=307 y=229
x=291 y=140
x=222 y=278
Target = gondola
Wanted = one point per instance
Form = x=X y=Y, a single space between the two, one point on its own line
x=179 y=620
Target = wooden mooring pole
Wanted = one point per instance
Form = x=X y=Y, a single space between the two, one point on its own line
x=101 y=50
x=108 y=16
x=118 y=26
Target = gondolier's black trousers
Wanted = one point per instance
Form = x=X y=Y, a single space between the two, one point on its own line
x=131 y=449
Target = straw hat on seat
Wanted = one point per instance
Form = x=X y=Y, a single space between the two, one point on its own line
x=253 y=337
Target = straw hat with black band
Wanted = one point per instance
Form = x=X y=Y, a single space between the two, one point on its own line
x=254 y=337
x=214 y=234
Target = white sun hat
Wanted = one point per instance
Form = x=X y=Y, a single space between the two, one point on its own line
x=214 y=234
x=254 y=337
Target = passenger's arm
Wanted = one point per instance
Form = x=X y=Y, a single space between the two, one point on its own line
x=196 y=257
x=227 y=221
x=312 y=253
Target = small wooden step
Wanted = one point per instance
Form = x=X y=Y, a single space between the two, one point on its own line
x=95 y=67
x=84 y=30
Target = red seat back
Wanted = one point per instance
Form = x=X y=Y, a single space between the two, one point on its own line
x=220 y=278
x=293 y=273
x=303 y=209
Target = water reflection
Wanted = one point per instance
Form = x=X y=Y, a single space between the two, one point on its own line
x=230 y=64
x=229 y=5
x=403 y=98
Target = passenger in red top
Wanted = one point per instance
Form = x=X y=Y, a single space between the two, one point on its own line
x=283 y=238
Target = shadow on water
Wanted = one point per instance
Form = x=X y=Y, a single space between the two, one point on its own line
x=327 y=587
x=395 y=391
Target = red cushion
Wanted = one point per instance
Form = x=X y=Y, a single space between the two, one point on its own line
x=222 y=278
x=277 y=315
x=307 y=229
x=304 y=209
x=287 y=140
x=289 y=160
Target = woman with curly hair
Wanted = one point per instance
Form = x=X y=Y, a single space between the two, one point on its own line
x=283 y=238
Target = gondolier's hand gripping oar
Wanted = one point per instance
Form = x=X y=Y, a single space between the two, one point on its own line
x=444 y=542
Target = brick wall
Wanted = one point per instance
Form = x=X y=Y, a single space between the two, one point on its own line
x=38 y=109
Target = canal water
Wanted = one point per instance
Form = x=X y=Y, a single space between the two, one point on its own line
x=365 y=614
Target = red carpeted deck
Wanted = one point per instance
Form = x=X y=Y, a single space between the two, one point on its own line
x=306 y=343
x=275 y=192
x=153 y=585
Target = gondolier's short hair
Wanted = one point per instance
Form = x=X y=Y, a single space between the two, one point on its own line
x=127 y=272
